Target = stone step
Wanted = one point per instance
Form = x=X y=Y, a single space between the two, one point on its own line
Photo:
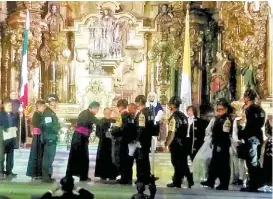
x=60 y=163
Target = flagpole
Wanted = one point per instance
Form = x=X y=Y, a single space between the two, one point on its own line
x=23 y=90
x=21 y=109
x=186 y=90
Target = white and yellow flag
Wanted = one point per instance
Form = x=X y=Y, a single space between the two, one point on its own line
x=186 y=70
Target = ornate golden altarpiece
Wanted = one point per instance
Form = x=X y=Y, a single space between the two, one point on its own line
x=104 y=51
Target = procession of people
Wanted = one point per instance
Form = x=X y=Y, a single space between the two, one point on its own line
x=227 y=147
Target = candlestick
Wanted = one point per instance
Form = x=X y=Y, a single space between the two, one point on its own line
x=53 y=71
x=157 y=71
x=73 y=72
x=72 y=93
x=121 y=73
x=40 y=74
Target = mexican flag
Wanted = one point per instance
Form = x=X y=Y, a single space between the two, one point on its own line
x=23 y=92
x=186 y=70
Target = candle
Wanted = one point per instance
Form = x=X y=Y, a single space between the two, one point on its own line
x=53 y=71
x=246 y=4
x=257 y=6
x=157 y=71
x=73 y=72
x=40 y=74
x=121 y=73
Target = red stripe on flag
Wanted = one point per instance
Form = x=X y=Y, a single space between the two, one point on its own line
x=24 y=98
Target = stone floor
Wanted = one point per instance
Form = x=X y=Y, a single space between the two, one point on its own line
x=22 y=187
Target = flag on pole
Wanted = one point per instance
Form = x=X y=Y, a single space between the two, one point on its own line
x=24 y=68
x=186 y=70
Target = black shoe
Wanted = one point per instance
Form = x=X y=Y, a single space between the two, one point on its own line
x=222 y=187
x=238 y=182
x=173 y=185
x=85 y=180
x=37 y=178
x=248 y=189
x=11 y=175
x=112 y=179
x=207 y=184
x=48 y=180
x=190 y=181
x=124 y=182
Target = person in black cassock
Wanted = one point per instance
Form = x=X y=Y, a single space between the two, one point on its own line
x=121 y=133
x=221 y=132
x=253 y=138
x=195 y=132
x=50 y=127
x=178 y=144
x=78 y=161
x=146 y=128
x=104 y=166
x=34 y=168
x=8 y=137
x=68 y=187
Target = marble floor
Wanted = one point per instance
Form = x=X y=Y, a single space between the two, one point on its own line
x=22 y=187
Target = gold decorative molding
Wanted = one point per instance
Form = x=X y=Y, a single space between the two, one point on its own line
x=244 y=36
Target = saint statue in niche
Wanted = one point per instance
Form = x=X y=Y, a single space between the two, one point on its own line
x=164 y=21
x=248 y=74
x=220 y=75
x=54 y=20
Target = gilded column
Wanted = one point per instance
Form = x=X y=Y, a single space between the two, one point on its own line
x=270 y=52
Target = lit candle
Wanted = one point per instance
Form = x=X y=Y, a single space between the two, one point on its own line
x=53 y=71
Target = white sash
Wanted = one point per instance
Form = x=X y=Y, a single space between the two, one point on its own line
x=11 y=133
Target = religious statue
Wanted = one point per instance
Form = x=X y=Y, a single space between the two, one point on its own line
x=54 y=20
x=105 y=35
x=164 y=21
x=141 y=189
x=220 y=75
x=249 y=77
